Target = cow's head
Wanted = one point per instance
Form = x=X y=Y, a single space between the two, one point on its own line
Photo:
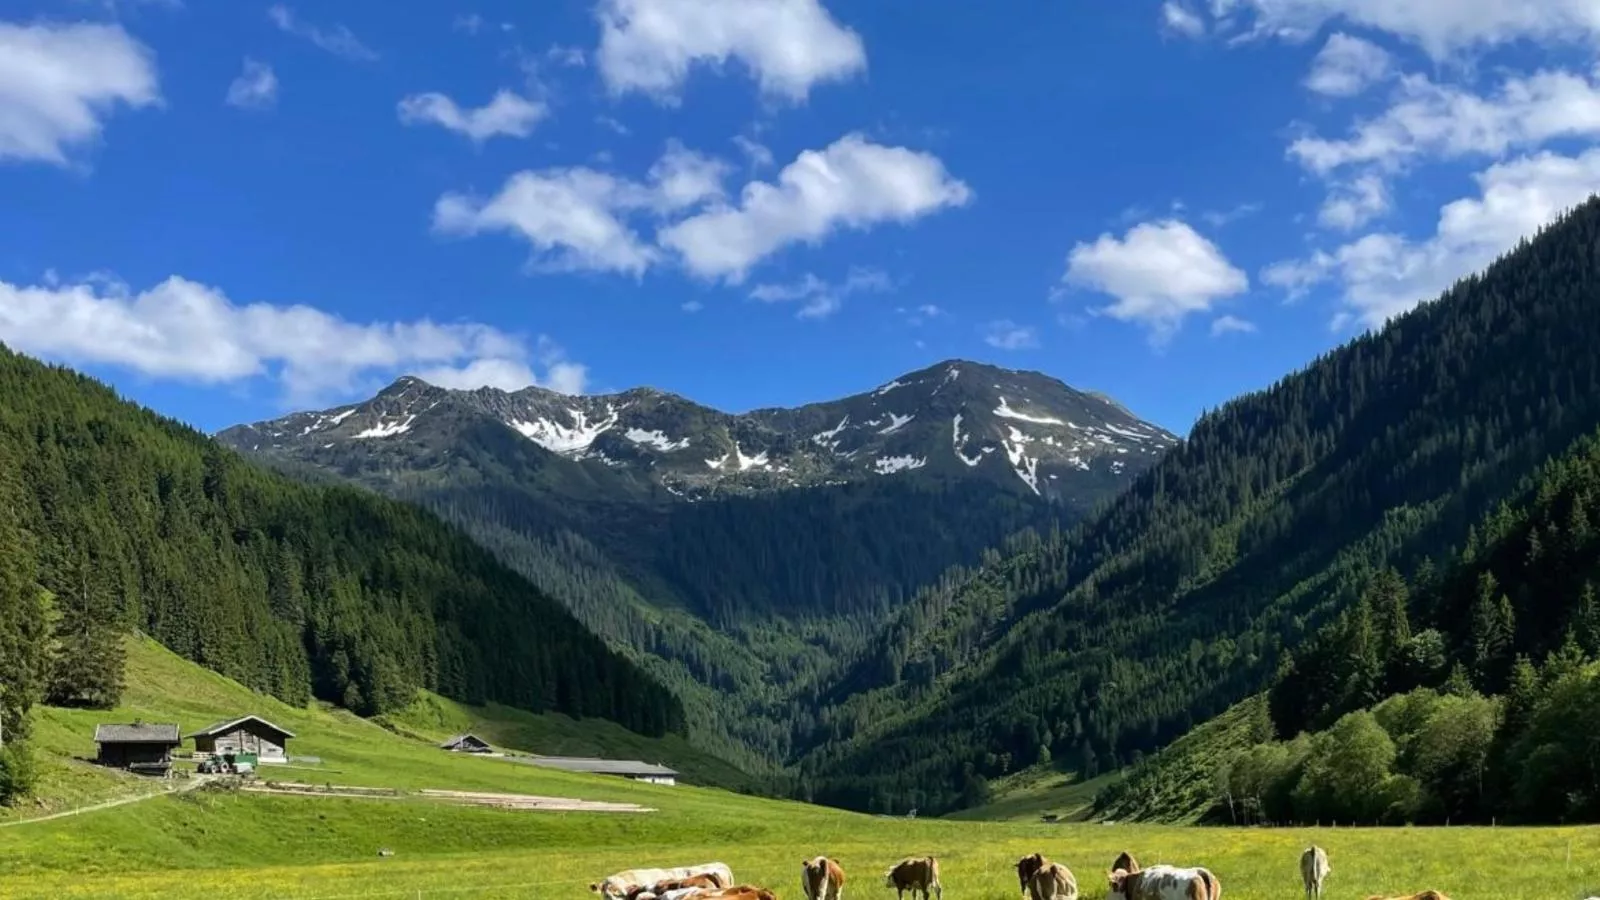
x=1125 y=862
x=1120 y=880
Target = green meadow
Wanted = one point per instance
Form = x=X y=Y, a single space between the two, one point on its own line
x=216 y=842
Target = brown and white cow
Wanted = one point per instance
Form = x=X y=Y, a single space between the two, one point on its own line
x=1314 y=870
x=1164 y=883
x=677 y=888
x=1425 y=895
x=618 y=885
x=915 y=874
x=740 y=892
x=1125 y=862
x=1053 y=881
x=822 y=879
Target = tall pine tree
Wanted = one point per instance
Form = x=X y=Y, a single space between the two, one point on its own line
x=90 y=660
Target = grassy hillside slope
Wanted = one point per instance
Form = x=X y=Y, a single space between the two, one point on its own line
x=210 y=843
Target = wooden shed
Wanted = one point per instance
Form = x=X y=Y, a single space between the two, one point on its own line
x=467 y=743
x=248 y=734
x=138 y=747
x=630 y=769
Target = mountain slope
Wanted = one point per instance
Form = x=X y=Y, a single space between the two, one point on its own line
x=290 y=589
x=1179 y=598
x=737 y=557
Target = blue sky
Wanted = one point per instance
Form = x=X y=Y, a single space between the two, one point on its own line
x=230 y=210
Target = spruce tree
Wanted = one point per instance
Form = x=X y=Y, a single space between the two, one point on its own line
x=89 y=658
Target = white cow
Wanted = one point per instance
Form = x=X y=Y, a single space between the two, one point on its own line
x=618 y=885
x=1314 y=870
x=1164 y=883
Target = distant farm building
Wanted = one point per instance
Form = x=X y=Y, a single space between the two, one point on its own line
x=139 y=747
x=244 y=737
x=467 y=743
x=630 y=769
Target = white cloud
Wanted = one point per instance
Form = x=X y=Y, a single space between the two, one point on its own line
x=338 y=40
x=1441 y=28
x=1219 y=218
x=1005 y=334
x=1231 y=325
x=506 y=114
x=819 y=298
x=758 y=154
x=255 y=88
x=1353 y=204
x=182 y=330
x=58 y=83
x=571 y=217
x=572 y=57
x=919 y=315
x=1434 y=120
x=1159 y=272
x=1296 y=277
x=471 y=23
x=612 y=124
x=1383 y=275
x=1347 y=66
x=787 y=45
x=1177 y=18
x=852 y=183
x=684 y=178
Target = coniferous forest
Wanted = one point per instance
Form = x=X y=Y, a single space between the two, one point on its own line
x=113 y=518
x=1188 y=592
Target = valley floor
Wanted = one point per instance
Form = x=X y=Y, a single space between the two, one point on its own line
x=213 y=842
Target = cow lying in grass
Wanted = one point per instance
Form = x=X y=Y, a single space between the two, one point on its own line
x=619 y=885
x=915 y=874
x=1164 y=883
x=676 y=888
x=1425 y=895
x=822 y=879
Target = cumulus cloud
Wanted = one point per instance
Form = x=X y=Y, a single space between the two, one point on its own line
x=1177 y=18
x=820 y=299
x=1353 y=204
x=852 y=183
x=1426 y=119
x=1004 y=334
x=1383 y=275
x=255 y=88
x=336 y=39
x=508 y=113
x=183 y=330
x=1347 y=66
x=786 y=45
x=1158 y=273
x=1442 y=28
x=1231 y=325
x=58 y=84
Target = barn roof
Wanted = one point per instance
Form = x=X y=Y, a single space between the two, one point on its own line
x=601 y=766
x=222 y=727
x=459 y=739
x=137 y=733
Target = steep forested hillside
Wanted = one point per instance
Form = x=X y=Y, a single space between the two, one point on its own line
x=116 y=513
x=1182 y=596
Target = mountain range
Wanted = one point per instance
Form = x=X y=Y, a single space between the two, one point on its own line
x=739 y=557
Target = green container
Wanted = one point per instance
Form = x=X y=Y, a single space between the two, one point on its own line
x=252 y=758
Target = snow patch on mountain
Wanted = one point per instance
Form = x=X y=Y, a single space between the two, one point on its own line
x=888 y=465
x=956 y=441
x=717 y=463
x=383 y=430
x=896 y=422
x=749 y=462
x=830 y=438
x=889 y=387
x=656 y=439
x=1026 y=467
x=1005 y=411
x=567 y=439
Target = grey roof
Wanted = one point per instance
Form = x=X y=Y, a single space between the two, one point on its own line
x=223 y=726
x=138 y=733
x=464 y=738
x=601 y=766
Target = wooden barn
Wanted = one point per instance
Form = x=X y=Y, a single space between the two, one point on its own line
x=467 y=743
x=631 y=769
x=139 y=747
x=245 y=735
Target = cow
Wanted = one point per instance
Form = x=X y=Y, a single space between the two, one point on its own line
x=1125 y=862
x=1425 y=895
x=675 y=888
x=1314 y=870
x=1053 y=881
x=1026 y=867
x=617 y=886
x=915 y=874
x=1164 y=883
x=822 y=879
x=741 y=892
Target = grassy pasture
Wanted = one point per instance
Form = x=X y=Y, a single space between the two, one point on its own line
x=210 y=843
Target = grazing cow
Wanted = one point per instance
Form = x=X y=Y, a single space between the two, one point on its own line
x=1053 y=881
x=1425 y=895
x=822 y=879
x=617 y=886
x=1164 y=883
x=1026 y=867
x=1125 y=862
x=1314 y=870
x=915 y=874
